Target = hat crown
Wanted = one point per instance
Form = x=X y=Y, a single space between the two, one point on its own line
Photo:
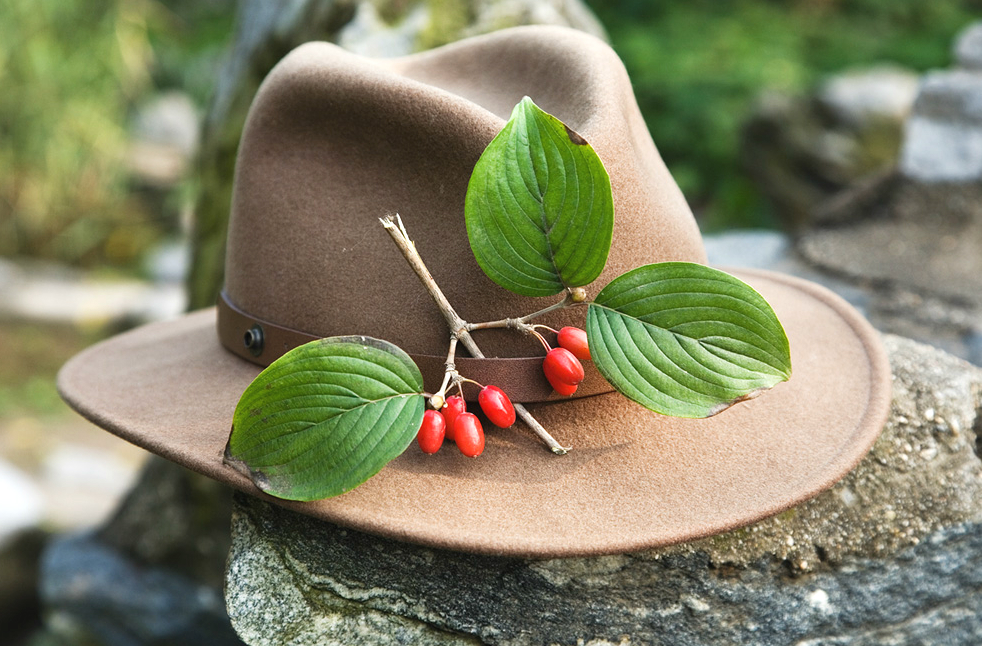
x=335 y=141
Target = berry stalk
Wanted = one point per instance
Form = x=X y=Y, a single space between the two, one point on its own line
x=458 y=326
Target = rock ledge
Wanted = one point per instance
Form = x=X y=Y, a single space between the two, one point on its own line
x=891 y=554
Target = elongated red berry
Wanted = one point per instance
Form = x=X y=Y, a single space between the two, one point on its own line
x=455 y=406
x=469 y=434
x=563 y=370
x=574 y=340
x=431 y=432
x=496 y=405
x=563 y=389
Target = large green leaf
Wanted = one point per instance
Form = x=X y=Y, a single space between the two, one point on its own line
x=326 y=416
x=686 y=340
x=539 y=211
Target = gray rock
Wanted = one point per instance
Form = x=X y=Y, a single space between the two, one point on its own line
x=873 y=266
x=151 y=575
x=759 y=249
x=23 y=506
x=369 y=35
x=916 y=249
x=19 y=605
x=860 y=98
x=52 y=293
x=968 y=47
x=94 y=594
x=912 y=237
x=775 y=251
x=173 y=519
x=943 y=141
x=490 y=15
x=803 y=150
x=168 y=119
x=891 y=554
x=943 y=260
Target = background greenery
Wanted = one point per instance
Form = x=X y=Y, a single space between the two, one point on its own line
x=73 y=71
x=698 y=64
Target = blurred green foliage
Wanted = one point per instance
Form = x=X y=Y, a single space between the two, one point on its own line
x=697 y=66
x=71 y=72
x=33 y=352
x=68 y=68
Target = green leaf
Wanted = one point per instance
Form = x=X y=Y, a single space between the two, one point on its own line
x=539 y=210
x=326 y=416
x=686 y=340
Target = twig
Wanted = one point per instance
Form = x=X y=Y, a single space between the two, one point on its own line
x=458 y=326
x=522 y=323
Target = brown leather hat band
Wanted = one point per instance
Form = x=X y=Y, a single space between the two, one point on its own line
x=262 y=342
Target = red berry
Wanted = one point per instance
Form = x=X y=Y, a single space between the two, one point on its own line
x=496 y=405
x=563 y=389
x=469 y=434
x=455 y=406
x=563 y=370
x=574 y=340
x=431 y=432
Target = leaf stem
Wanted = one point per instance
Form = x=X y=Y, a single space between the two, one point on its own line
x=458 y=326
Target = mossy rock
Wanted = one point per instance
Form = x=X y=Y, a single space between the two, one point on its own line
x=887 y=555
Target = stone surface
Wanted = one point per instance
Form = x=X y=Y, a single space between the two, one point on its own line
x=163 y=139
x=859 y=98
x=968 y=47
x=912 y=237
x=943 y=141
x=891 y=554
x=803 y=150
x=55 y=294
x=174 y=519
x=94 y=594
x=151 y=575
x=944 y=259
x=873 y=286
x=19 y=603
x=23 y=505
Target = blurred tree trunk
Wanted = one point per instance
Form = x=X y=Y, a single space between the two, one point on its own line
x=266 y=31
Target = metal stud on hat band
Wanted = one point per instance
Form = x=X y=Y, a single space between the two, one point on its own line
x=262 y=342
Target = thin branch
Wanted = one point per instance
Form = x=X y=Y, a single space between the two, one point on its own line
x=450 y=376
x=522 y=323
x=458 y=326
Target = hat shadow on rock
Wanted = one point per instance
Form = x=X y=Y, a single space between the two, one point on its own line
x=335 y=141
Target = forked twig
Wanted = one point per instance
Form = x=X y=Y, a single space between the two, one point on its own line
x=458 y=326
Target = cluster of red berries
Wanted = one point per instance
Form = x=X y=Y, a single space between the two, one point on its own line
x=562 y=365
x=453 y=422
x=563 y=370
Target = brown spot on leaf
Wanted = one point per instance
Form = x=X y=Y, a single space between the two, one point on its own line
x=258 y=478
x=575 y=136
x=719 y=408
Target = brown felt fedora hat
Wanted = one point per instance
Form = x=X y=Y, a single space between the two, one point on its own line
x=333 y=142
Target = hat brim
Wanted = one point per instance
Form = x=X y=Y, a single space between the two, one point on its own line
x=634 y=479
